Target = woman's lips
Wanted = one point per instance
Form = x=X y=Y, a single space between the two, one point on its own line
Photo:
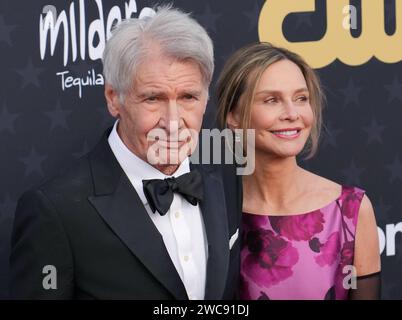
x=288 y=134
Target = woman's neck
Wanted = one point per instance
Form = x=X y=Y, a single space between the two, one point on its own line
x=275 y=181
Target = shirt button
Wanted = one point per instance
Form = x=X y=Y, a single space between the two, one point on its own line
x=186 y=258
x=177 y=214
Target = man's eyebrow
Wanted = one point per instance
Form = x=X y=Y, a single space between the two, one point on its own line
x=148 y=93
x=194 y=92
x=151 y=93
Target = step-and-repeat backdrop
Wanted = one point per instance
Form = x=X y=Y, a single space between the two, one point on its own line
x=52 y=108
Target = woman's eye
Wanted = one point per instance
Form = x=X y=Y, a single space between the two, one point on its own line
x=302 y=98
x=270 y=100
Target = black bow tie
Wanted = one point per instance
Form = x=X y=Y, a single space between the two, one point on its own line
x=159 y=193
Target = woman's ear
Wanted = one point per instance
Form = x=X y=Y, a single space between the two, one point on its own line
x=113 y=100
x=233 y=120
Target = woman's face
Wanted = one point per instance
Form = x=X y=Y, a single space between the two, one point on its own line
x=281 y=113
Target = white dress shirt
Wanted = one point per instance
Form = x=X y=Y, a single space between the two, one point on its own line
x=182 y=227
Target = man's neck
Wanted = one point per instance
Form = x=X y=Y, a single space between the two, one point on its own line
x=167 y=169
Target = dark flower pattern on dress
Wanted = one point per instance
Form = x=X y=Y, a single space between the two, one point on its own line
x=270 y=259
x=315 y=244
x=330 y=294
x=351 y=205
x=244 y=291
x=301 y=256
x=299 y=227
x=263 y=296
x=347 y=253
x=329 y=250
x=347 y=256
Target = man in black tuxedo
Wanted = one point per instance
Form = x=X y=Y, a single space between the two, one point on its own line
x=134 y=219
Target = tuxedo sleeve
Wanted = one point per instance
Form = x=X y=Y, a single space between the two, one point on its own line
x=41 y=262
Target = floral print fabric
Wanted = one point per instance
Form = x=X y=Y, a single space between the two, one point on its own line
x=300 y=256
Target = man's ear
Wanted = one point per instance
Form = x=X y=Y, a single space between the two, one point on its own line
x=113 y=100
x=233 y=120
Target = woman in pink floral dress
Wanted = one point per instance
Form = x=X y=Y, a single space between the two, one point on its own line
x=303 y=236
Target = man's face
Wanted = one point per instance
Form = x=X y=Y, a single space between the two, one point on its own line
x=162 y=110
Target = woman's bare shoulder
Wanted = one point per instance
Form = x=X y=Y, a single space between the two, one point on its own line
x=323 y=186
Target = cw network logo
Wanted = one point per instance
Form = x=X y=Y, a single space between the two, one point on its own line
x=337 y=41
x=387 y=238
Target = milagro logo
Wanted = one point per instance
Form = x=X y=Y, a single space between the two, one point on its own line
x=82 y=39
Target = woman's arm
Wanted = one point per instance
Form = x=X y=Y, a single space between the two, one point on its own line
x=367 y=254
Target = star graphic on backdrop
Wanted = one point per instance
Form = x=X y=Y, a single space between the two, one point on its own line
x=208 y=18
x=58 y=117
x=84 y=150
x=381 y=209
x=252 y=17
x=7 y=120
x=330 y=135
x=352 y=174
x=396 y=170
x=394 y=90
x=30 y=74
x=304 y=18
x=351 y=93
x=5 y=31
x=374 y=131
x=33 y=162
x=7 y=207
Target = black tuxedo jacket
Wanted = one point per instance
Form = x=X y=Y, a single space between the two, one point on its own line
x=90 y=224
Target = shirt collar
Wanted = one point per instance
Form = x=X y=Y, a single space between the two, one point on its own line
x=137 y=169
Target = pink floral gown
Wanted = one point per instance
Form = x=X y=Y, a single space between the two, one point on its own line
x=300 y=256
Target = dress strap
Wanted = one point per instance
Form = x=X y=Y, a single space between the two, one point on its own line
x=349 y=203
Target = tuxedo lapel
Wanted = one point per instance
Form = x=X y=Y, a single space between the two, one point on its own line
x=214 y=214
x=120 y=207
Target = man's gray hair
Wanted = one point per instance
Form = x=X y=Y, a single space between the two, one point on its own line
x=175 y=33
